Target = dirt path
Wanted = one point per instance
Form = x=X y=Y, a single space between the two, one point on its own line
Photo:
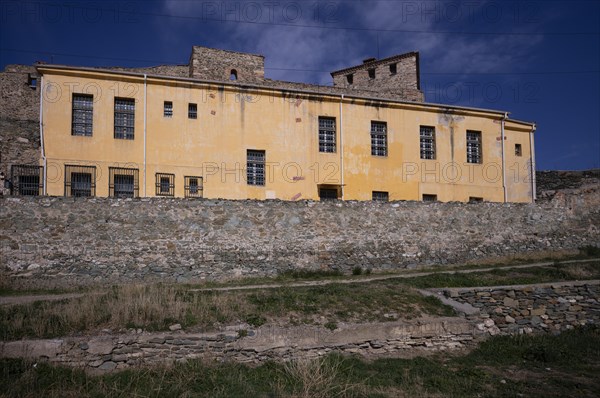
x=24 y=299
x=386 y=277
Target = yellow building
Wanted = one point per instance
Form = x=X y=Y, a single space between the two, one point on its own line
x=216 y=128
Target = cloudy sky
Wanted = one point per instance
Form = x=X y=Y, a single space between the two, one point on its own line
x=538 y=60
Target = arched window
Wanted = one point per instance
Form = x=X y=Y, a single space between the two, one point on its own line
x=233 y=75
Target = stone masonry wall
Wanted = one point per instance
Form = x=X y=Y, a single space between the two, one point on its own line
x=68 y=241
x=214 y=64
x=404 y=82
x=502 y=310
x=19 y=119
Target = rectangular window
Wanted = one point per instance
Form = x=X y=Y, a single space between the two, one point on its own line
x=124 y=118
x=80 y=181
x=328 y=193
x=393 y=69
x=475 y=199
x=427 y=138
x=32 y=80
x=518 y=150
x=371 y=73
x=192 y=111
x=255 y=167
x=379 y=139
x=123 y=183
x=165 y=184
x=168 y=109
x=26 y=180
x=327 y=134
x=473 y=146
x=350 y=78
x=193 y=187
x=82 y=116
x=429 y=198
x=381 y=196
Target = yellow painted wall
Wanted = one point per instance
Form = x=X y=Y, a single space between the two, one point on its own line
x=231 y=121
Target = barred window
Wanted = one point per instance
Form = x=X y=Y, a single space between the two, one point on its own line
x=168 y=109
x=193 y=187
x=473 y=146
x=80 y=181
x=328 y=193
x=26 y=180
x=429 y=198
x=427 y=138
x=326 y=134
x=124 y=118
x=255 y=167
x=379 y=138
x=381 y=196
x=165 y=184
x=82 y=117
x=123 y=182
x=192 y=111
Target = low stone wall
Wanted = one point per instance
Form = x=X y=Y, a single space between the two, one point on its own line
x=47 y=242
x=265 y=343
x=505 y=310
x=537 y=308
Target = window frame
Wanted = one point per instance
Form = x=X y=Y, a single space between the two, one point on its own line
x=379 y=139
x=427 y=137
x=199 y=193
x=518 y=150
x=120 y=172
x=474 y=146
x=165 y=180
x=23 y=180
x=78 y=109
x=121 y=131
x=255 y=167
x=72 y=169
x=168 y=109
x=380 y=196
x=327 y=135
x=192 y=110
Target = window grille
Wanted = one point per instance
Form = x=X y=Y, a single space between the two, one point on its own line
x=381 y=196
x=473 y=146
x=193 y=187
x=427 y=140
x=192 y=111
x=123 y=182
x=27 y=180
x=328 y=193
x=80 y=181
x=429 y=198
x=168 y=109
x=83 y=110
x=124 y=118
x=165 y=184
x=378 y=138
x=327 y=134
x=255 y=167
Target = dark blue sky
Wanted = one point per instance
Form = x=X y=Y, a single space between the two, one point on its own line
x=539 y=60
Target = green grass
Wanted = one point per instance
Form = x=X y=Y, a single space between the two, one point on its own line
x=557 y=273
x=530 y=366
x=155 y=307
